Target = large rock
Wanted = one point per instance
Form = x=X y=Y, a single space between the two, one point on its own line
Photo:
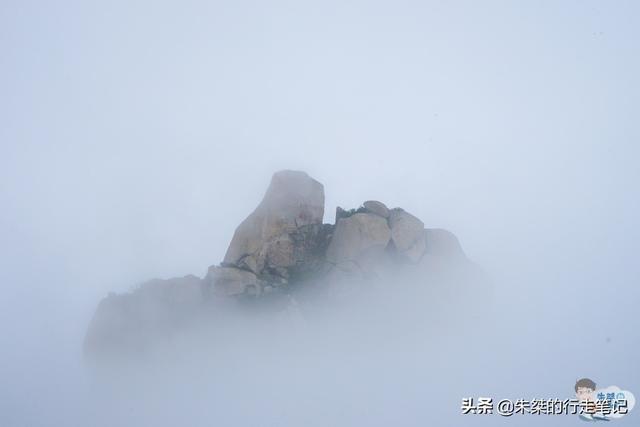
x=358 y=238
x=263 y=242
x=407 y=233
x=377 y=208
x=231 y=281
x=283 y=252
x=443 y=243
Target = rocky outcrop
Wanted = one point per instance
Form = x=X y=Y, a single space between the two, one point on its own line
x=132 y=321
x=273 y=239
x=281 y=247
x=230 y=281
x=443 y=243
x=407 y=233
x=283 y=243
x=359 y=239
x=377 y=208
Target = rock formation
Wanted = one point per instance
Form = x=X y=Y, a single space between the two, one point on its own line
x=282 y=246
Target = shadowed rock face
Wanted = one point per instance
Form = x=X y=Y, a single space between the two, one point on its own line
x=281 y=252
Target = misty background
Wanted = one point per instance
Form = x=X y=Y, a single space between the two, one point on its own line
x=137 y=135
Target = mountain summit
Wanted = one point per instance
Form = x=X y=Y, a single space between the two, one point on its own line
x=282 y=258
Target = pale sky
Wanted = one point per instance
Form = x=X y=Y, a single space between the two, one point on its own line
x=136 y=135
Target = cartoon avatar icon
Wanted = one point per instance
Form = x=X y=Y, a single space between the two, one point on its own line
x=584 y=389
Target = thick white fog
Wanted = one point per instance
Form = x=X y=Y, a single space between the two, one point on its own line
x=135 y=137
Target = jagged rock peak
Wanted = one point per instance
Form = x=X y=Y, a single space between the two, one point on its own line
x=283 y=235
x=284 y=241
x=283 y=249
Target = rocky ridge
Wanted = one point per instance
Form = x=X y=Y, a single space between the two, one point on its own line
x=281 y=247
